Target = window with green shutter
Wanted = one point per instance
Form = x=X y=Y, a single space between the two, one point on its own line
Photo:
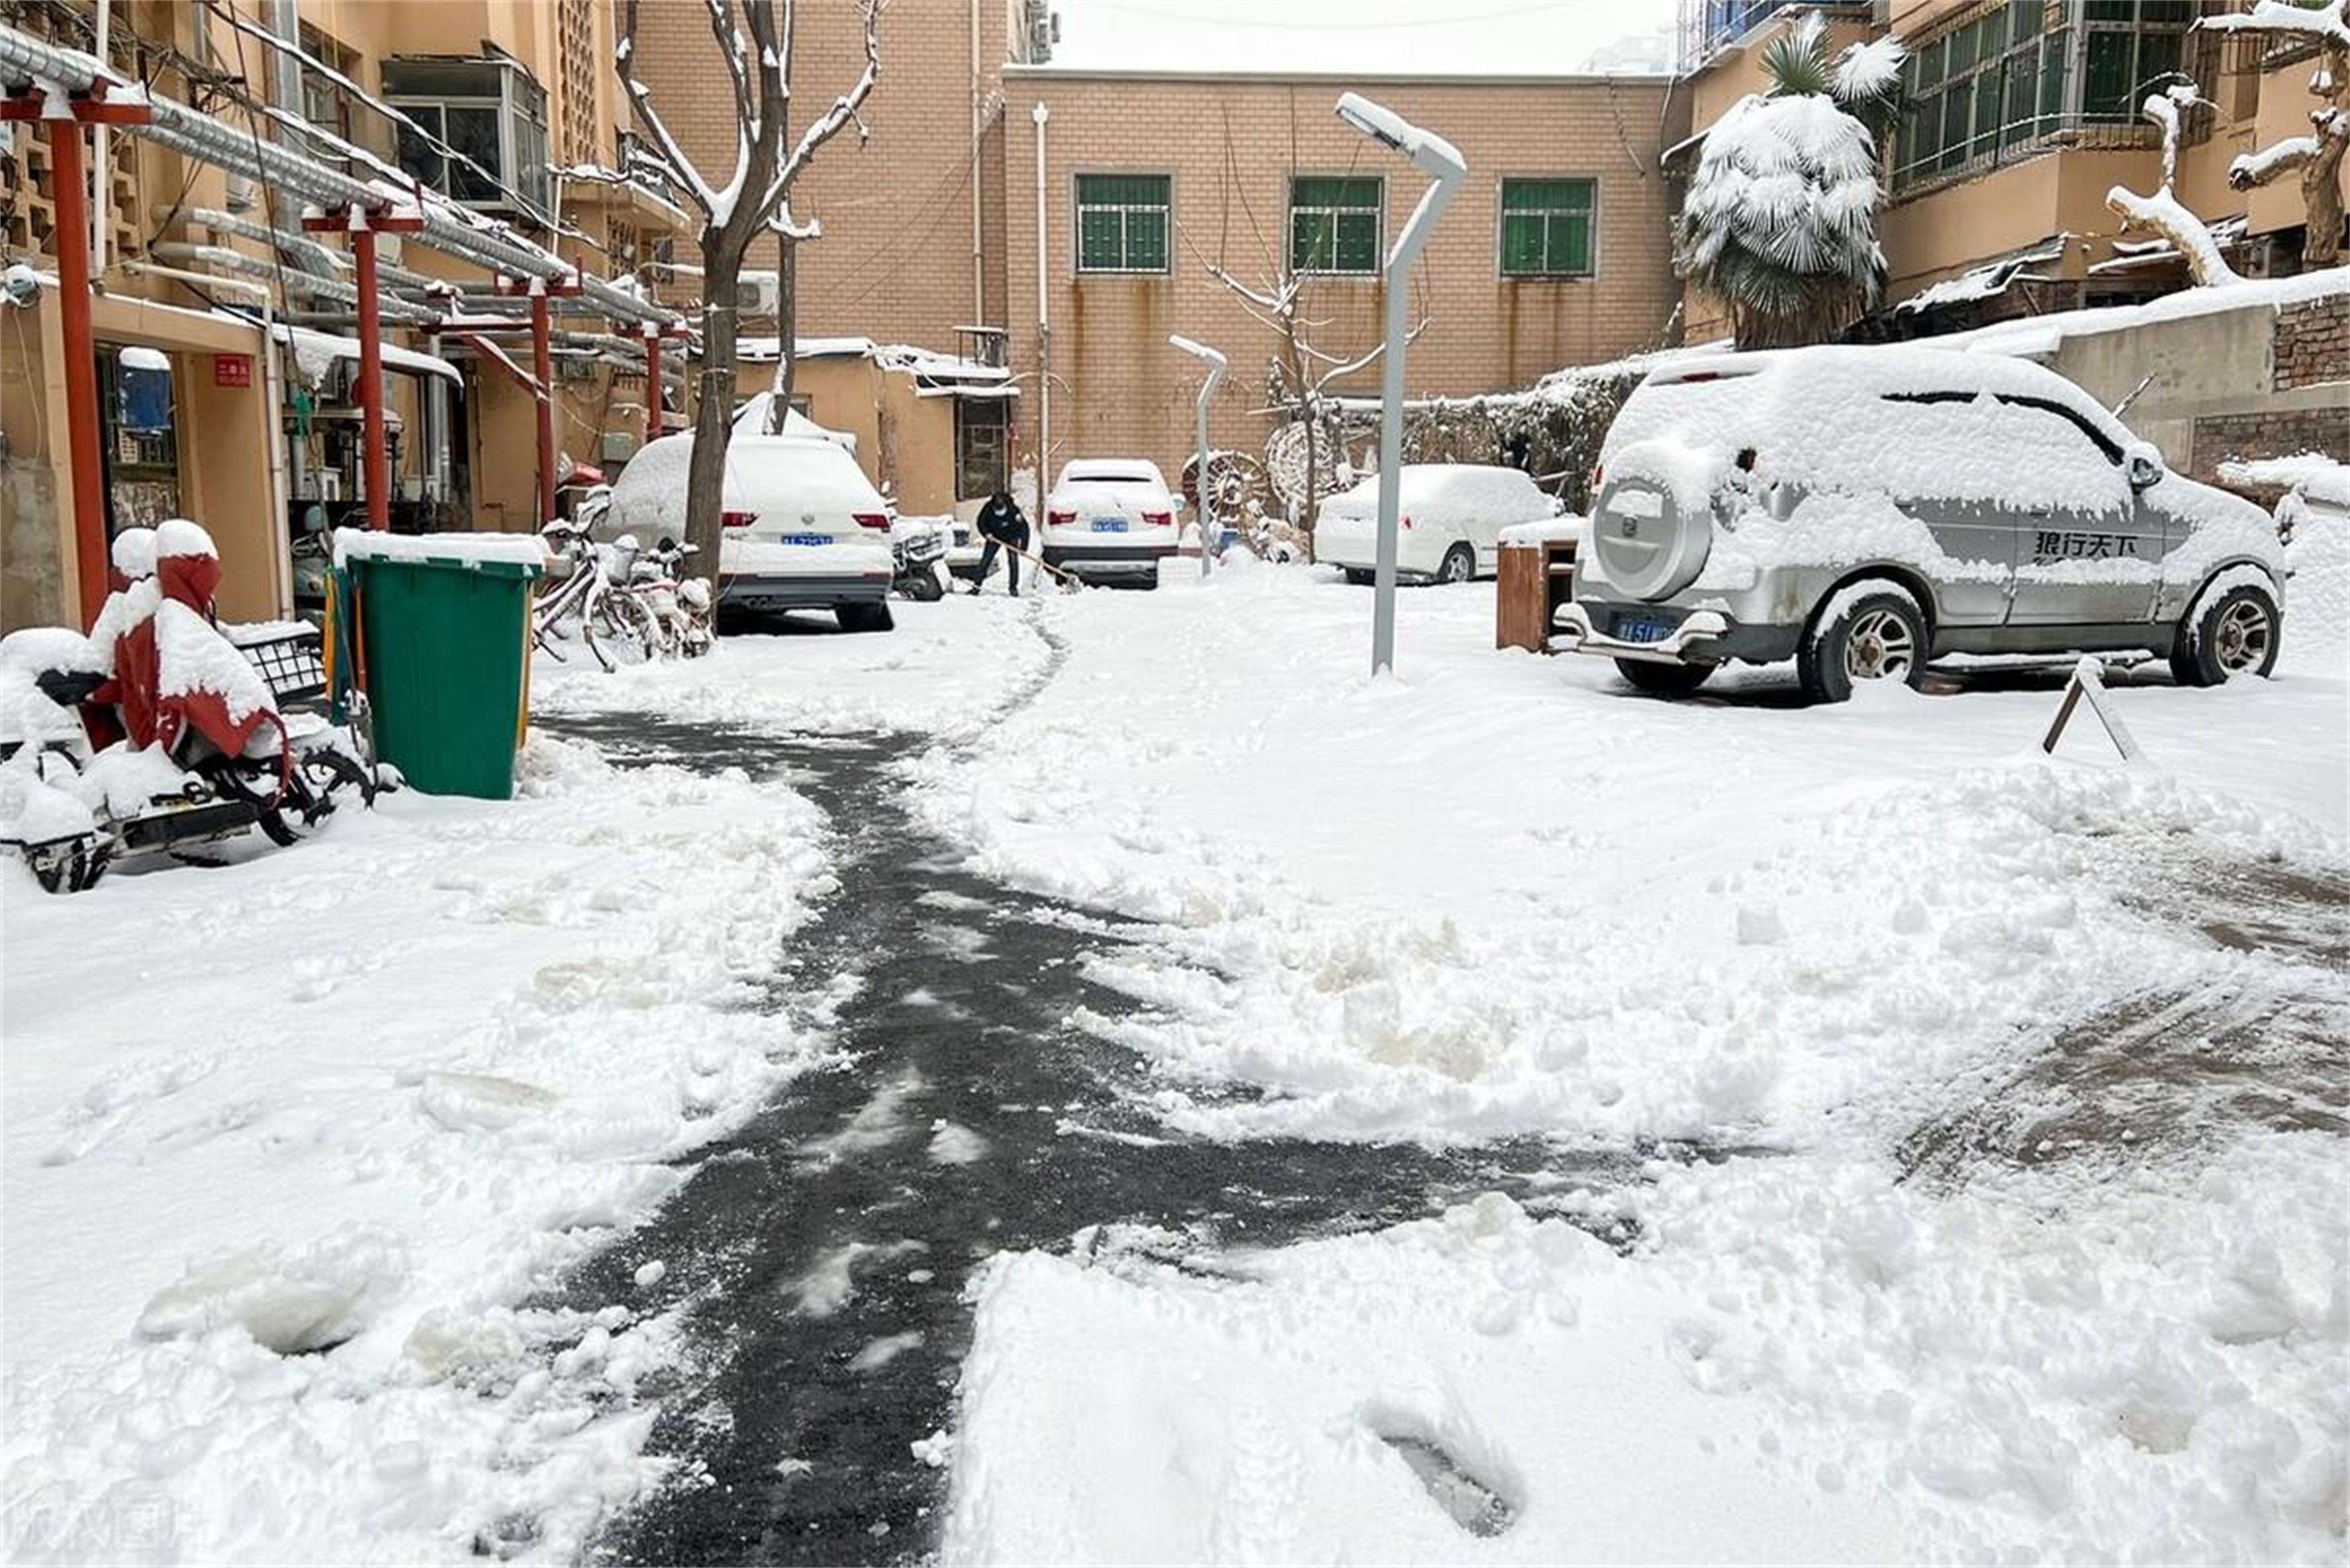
x=1333 y=224
x=1122 y=222
x=1546 y=227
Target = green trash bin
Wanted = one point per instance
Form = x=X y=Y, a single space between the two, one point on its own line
x=443 y=652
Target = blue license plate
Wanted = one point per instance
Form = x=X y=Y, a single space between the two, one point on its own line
x=1643 y=631
x=1109 y=525
x=808 y=539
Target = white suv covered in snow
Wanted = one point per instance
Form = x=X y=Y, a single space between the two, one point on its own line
x=1862 y=511
x=1109 y=519
x=1448 y=522
x=805 y=529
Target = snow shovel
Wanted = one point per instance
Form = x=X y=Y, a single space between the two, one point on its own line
x=1069 y=583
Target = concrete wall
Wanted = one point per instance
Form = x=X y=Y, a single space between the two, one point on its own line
x=2261 y=381
x=1230 y=145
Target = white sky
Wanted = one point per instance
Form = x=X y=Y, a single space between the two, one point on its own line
x=1430 y=36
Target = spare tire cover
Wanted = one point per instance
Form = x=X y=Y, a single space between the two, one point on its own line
x=1649 y=543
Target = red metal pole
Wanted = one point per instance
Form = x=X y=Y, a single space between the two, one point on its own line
x=542 y=365
x=81 y=348
x=378 y=477
x=652 y=387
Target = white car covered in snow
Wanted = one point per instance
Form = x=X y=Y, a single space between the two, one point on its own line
x=1864 y=509
x=805 y=529
x=1109 y=519
x=1448 y=522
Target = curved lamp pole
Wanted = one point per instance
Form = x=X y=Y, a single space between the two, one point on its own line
x=1441 y=163
x=1215 y=363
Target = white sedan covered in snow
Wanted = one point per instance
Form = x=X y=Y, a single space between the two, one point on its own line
x=805 y=529
x=1109 y=519
x=1448 y=522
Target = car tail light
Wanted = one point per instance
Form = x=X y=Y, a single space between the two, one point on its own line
x=1159 y=519
x=1696 y=377
x=1056 y=517
x=1598 y=477
x=737 y=519
x=1404 y=521
x=871 y=519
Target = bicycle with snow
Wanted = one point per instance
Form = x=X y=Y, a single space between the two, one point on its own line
x=590 y=598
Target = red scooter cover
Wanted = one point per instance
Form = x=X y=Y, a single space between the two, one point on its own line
x=195 y=678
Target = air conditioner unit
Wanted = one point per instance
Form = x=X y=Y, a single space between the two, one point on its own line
x=242 y=194
x=616 y=446
x=758 y=294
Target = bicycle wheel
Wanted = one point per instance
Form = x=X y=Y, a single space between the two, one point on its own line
x=617 y=630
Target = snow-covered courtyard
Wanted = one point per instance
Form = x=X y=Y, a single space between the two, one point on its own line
x=1530 y=1121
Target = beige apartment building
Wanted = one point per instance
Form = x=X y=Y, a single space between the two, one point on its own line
x=2020 y=116
x=944 y=218
x=205 y=414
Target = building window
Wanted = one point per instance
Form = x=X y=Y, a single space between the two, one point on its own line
x=1546 y=227
x=324 y=104
x=2133 y=46
x=983 y=446
x=1333 y=224
x=1996 y=83
x=1122 y=222
x=491 y=113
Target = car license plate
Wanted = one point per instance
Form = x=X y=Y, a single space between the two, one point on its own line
x=1643 y=631
x=808 y=539
x=1109 y=525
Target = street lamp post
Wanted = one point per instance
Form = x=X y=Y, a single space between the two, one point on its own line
x=1442 y=164
x=1215 y=363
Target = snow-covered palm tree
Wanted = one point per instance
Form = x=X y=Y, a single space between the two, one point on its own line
x=1780 y=222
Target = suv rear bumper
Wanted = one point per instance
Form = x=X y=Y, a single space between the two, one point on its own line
x=749 y=591
x=1698 y=637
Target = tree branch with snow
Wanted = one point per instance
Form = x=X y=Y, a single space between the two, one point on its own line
x=2163 y=211
x=2317 y=157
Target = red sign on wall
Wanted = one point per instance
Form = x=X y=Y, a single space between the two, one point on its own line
x=232 y=370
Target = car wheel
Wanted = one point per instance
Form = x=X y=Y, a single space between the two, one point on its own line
x=865 y=617
x=1876 y=634
x=1359 y=578
x=1460 y=565
x=2235 y=634
x=1664 y=679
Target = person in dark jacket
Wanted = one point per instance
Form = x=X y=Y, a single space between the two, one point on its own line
x=1001 y=524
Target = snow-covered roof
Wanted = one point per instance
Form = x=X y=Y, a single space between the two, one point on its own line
x=1987 y=280
x=2037 y=335
x=314 y=352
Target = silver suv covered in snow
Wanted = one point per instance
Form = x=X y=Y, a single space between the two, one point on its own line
x=1862 y=511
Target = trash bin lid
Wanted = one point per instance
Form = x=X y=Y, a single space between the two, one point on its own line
x=497 y=554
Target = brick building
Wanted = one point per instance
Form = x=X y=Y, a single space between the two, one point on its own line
x=1556 y=253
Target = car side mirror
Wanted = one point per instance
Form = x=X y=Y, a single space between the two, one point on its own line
x=2144 y=466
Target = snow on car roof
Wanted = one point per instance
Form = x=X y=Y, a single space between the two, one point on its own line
x=1439 y=492
x=764 y=472
x=1916 y=422
x=1112 y=468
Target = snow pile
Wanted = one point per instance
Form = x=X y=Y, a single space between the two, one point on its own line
x=192 y=656
x=1800 y=1360
x=943 y=668
x=1447 y=495
x=289 y=1196
x=1497 y=895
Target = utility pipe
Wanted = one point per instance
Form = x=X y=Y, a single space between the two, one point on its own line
x=542 y=365
x=978 y=269
x=23 y=58
x=101 y=159
x=335 y=289
x=1044 y=319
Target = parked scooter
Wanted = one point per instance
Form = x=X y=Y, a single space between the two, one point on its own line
x=208 y=751
x=917 y=550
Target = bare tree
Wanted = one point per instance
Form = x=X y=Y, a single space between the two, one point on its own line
x=2316 y=156
x=755 y=199
x=1299 y=372
x=2163 y=211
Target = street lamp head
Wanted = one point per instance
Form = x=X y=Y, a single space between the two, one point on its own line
x=1435 y=157
x=1200 y=351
